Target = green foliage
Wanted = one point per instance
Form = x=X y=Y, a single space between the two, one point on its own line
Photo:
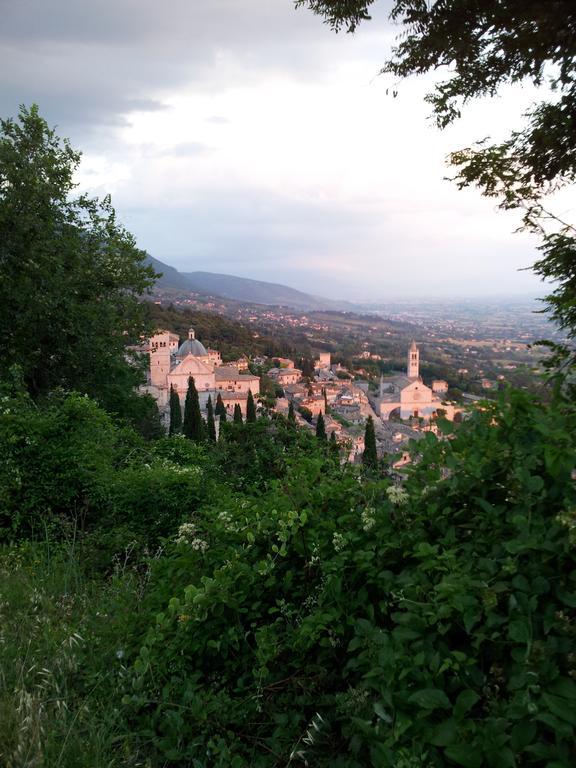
x=55 y=461
x=238 y=414
x=210 y=425
x=250 y=409
x=321 y=428
x=306 y=413
x=370 y=455
x=70 y=276
x=325 y=621
x=175 y=412
x=192 y=426
x=291 y=414
x=220 y=409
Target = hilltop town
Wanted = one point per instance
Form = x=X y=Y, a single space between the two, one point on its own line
x=402 y=406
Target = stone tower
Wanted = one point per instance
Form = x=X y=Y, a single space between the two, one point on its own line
x=413 y=361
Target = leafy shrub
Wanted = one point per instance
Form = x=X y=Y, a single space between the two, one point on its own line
x=330 y=622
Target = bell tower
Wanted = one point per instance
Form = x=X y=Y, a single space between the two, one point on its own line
x=413 y=367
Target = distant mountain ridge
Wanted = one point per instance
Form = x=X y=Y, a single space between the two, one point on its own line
x=240 y=289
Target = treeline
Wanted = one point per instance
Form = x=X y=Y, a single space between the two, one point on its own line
x=230 y=337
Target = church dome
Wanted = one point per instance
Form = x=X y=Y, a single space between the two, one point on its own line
x=192 y=347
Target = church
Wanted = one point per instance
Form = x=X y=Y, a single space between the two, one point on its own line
x=172 y=364
x=406 y=396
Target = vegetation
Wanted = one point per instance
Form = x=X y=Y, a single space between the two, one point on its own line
x=370 y=455
x=320 y=428
x=70 y=275
x=175 y=412
x=193 y=425
x=253 y=602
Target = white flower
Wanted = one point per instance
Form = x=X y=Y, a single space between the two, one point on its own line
x=397 y=495
x=368 y=519
x=338 y=542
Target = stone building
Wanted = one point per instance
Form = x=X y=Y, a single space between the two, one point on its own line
x=172 y=366
x=407 y=396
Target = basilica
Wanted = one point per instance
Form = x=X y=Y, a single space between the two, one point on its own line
x=172 y=364
x=406 y=396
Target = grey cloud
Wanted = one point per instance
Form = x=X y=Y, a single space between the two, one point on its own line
x=89 y=63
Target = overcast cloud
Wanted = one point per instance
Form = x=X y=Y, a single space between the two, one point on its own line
x=243 y=136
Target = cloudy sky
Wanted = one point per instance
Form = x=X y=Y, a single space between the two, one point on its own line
x=243 y=136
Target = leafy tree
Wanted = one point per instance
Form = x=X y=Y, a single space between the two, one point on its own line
x=370 y=455
x=238 y=414
x=485 y=46
x=291 y=414
x=250 y=409
x=175 y=412
x=70 y=275
x=193 y=426
x=211 y=426
x=220 y=409
x=320 y=428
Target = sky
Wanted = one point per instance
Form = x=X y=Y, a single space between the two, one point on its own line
x=245 y=137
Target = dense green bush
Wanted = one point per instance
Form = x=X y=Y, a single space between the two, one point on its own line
x=332 y=622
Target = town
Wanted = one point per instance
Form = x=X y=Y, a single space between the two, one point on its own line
x=402 y=407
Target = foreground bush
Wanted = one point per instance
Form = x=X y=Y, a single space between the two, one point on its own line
x=330 y=622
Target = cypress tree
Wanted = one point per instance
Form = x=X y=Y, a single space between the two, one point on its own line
x=175 y=412
x=250 y=409
x=220 y=409
x=238 y=414
x=211 y=426
x=291 y=414
x=193 y=427
x=370 y=456
x=320 y=428
x=334 y=447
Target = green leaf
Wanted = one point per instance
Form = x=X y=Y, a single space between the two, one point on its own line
x=561 y=707
x=519 y=631
x=445 y=733
x=430 y=698
x=464 y=754
x=522 y=734
x=465 y=702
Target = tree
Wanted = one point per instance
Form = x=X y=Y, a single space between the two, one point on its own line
x=370 y=455
x=320 y=428
x=175 y=412
x=70 y=275
x=210 y=424
x=291 y=414
x=250 y=409
x=220 y=409
x=193 y=426
x=238 y=414
x=485 y=46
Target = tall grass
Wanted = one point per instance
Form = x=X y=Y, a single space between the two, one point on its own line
x=63 y=636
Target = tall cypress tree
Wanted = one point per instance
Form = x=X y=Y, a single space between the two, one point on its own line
x=211 y=426
x=175 y=412
x=320 y=428
x=220 y=409
x=291 y=414
x=193 y=426
x=250 y=409
x=238 y=414
x=370 y=455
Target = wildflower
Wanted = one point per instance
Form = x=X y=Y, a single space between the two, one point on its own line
x=397 y=495
x=338 y=542
x=368 y=519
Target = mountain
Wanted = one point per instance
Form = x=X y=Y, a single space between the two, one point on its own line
x=239 y=289
x=171 y=279
x=259 y=292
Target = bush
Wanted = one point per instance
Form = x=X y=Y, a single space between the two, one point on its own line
x=333 y=623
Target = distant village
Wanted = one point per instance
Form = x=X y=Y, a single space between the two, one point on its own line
x=404 y=407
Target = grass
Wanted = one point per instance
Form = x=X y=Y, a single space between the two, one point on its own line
x=63 y=642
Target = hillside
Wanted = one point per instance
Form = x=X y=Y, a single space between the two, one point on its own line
x=258 y=291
